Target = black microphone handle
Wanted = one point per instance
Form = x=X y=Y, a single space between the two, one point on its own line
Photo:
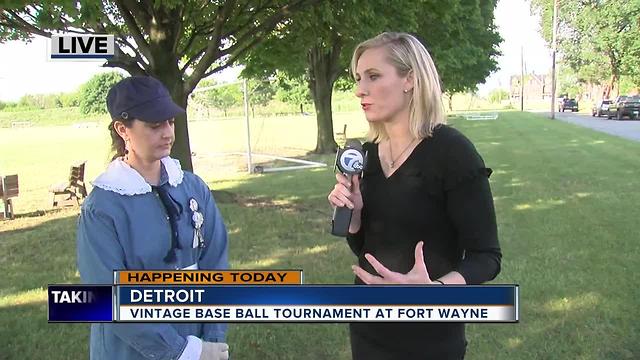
x=341 y=220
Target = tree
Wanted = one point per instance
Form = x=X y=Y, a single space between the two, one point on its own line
x=220 y=96
x=70 y=99
x=93 y=93
x=292 y=90
x=345 y=83
x=261 y=91
x=597 y=39
x=320 y=42
x=463 y=42
x=225 y=97
x=569 y=83
x=178 y=42
x=497 y=95
x=326 y=36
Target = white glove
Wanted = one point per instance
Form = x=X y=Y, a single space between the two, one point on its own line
x=214 y=351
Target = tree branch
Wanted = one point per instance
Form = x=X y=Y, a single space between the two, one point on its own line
x=193 y=59
x=192 y=37
x=252 y=15
x=243 y=44
x=195 y=32
x=138 y=58
x=19 y=23
x=143 y=46
x=126 y=62
x=216 y=69
x=122 y=39
x=236 y=54
x=68 y=27
x=142 y=11
x=336 y=49
x=212 y=53
x=268 y=24
x=178 y=31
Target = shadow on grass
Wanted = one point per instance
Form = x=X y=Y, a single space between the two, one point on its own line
x=40 y=253
x=40 y=213
x=27 y=335
x=576 y=325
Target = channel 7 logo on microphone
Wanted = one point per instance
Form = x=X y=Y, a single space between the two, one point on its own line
x=82 y=47
x=351 y=161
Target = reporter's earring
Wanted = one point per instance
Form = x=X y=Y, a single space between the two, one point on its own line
x=405 y=91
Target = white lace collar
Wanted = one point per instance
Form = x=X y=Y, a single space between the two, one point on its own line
x=124 y=180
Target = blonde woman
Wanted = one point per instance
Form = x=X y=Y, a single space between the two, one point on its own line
x=423 y=211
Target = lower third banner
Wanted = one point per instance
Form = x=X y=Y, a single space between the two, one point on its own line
x=80 y=303
x=319 y=303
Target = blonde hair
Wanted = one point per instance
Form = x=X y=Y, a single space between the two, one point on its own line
x=407 y=54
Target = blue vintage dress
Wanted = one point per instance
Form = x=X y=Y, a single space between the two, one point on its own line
x=124 y=224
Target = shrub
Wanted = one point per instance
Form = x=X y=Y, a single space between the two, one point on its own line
x=93 y=94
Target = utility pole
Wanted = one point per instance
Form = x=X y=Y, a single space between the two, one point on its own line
x=521 y=78
x=553 y=61
x=245 y=91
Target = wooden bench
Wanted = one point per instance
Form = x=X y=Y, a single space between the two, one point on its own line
x=71 y=191
x=8 y=189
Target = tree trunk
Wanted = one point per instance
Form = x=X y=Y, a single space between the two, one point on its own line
x=615 y=74
x=165 y=68
x=450 y=96
x=325 y=142
x=301 y=109
x=181 y=148
x=323 y=72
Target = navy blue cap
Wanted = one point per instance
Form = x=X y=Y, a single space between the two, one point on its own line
x=141 y=97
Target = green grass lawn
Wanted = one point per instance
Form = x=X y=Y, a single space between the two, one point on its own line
x=566 y=205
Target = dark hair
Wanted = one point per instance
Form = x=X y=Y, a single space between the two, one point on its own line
x=117 y=142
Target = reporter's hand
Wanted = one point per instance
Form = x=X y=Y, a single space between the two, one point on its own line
x=346 y=192
x=214 y=351
x=417 y=275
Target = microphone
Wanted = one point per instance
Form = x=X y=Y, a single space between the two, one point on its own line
x=349 y=161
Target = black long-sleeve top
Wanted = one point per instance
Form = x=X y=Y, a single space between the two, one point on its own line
x=439 y=195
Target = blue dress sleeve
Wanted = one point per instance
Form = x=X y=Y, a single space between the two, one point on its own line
x=99 y=252
x=214 y=256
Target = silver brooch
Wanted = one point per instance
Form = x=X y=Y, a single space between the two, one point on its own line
x=197 y=219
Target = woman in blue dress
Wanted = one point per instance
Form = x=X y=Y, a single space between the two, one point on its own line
x=145 y=212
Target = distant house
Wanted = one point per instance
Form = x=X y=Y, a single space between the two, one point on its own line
x=536 y=87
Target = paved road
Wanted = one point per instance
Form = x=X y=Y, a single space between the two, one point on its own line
x=628 y=129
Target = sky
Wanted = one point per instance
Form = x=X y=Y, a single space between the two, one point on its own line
x=26 y=69
x=518 y=29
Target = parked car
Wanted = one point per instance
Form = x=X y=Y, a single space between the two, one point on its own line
x=601 y=108
x=624 y=106
x=568 y=104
